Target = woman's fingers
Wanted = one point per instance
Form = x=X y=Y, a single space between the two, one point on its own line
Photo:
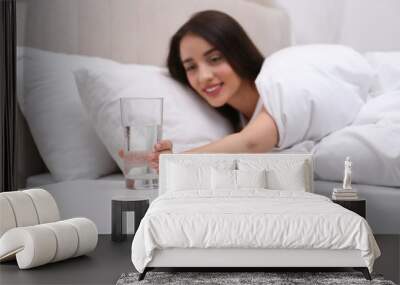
x=153 y=165
x=152 y=158
x=163 y=145
x=121 y=153
x=155 y=156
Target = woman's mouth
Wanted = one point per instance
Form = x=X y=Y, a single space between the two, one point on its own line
x=213 y=90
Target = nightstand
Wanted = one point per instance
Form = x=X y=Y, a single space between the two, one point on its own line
x=136 y=201
x=358 y=206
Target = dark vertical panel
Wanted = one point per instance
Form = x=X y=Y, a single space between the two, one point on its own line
x=8 y=95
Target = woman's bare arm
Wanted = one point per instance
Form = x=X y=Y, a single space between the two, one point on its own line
x=260 y=135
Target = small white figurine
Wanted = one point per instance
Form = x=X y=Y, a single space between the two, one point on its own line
x=347 y=174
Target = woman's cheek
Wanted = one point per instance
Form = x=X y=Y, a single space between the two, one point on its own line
x=193 y=84
x=225 y=71
x=192 y=81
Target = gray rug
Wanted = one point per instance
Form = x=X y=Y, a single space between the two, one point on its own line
x=270 y=278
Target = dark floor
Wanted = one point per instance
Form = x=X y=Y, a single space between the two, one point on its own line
x=102 y=266
x=388 y=263
x=111 y=259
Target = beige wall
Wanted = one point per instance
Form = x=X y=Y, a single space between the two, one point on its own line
x=134 y=31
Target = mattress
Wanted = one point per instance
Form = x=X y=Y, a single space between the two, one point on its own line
x=383 y=204
x=46 y=178
x=89 y=198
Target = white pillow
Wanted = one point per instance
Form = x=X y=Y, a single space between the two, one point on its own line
x=49 y=100
x=231 y=180
x=183 y=178
x=223 y=179
x=287 y=174
x=387 y=65
x=251 y=179
x=313 y=90
x=373 y=148
x=291 y=179
x=188 y=120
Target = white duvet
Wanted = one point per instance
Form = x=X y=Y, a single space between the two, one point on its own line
x=313 y=90
x=255 y=218
x=372 y=142
x=324 y=100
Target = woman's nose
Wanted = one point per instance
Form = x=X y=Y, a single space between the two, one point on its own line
x=205 y=73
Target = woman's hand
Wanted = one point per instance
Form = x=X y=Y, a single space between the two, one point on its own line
x=164 y=146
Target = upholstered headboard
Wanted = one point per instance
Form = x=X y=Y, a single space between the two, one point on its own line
x=128 y=31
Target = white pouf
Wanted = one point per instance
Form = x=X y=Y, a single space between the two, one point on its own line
x=31 y=232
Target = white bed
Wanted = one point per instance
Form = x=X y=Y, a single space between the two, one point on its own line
x=249 y=227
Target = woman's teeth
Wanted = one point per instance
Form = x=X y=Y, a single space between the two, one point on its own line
x=212 y=88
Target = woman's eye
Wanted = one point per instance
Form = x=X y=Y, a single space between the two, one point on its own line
x=215 y=58
x=189 y=67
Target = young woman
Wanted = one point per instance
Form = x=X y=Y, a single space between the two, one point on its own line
x=213 y=55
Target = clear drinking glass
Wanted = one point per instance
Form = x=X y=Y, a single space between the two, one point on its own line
x=142 y=120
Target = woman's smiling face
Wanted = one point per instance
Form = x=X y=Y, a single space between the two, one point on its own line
x=207 y=71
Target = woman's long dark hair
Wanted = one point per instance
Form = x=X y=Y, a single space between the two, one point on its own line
x=227 y=36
